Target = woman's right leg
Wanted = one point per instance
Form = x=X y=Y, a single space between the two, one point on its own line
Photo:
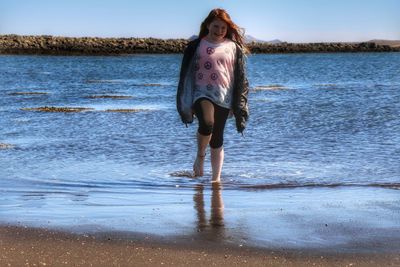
x=204 y=111
x=217 y=141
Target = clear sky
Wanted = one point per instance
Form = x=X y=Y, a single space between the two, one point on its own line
x=287 y=20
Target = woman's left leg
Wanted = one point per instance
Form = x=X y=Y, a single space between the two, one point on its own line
x=204 y=110
x=217 y=141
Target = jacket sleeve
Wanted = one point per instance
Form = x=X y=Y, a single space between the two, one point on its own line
x=180 y=90
x=181 y=80
x=240 y=93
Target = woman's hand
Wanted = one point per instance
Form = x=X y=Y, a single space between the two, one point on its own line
x=230 y=113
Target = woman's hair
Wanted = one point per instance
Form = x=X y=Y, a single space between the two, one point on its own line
x=233 y=32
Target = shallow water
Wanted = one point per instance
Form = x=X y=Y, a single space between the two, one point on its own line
x=318 y=122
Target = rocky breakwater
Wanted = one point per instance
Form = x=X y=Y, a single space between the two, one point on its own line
x=266 y=48
x=52 y=45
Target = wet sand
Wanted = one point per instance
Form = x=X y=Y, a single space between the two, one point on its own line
x=40 y=247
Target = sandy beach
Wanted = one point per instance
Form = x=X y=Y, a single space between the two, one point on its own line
x=22 y=246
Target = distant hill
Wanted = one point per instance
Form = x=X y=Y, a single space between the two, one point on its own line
x=249 y=39
x=276 y=41
x=392 y=43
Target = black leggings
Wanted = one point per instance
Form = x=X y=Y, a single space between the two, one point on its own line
x=216 y=127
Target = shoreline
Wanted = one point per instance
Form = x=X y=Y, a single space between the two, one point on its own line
x=41 y=246
x=55 y=45
x=302 y=219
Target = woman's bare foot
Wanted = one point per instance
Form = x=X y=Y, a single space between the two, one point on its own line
x=217 y=160
x=198 y=165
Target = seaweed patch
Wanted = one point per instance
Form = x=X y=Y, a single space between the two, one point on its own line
x=57 y=109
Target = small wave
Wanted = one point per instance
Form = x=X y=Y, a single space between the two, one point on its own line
x=104 y=81
x=149 y=85
x=27 y=93
x=152 y=84
x=109 y=96
x=129 y=81
x=318 y=185
x=327 y=85
x=101 y=107
x=263 y=99
x=387 y=185
x=269 y=87
x=183 y=180
x=21 y=120
x=6 y=146
x=127 y=110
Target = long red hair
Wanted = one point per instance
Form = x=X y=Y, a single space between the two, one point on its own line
x=234 y=32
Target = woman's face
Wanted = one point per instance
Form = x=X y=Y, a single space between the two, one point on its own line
x=217 y=30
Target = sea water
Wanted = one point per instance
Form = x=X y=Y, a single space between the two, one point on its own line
x=317 y=121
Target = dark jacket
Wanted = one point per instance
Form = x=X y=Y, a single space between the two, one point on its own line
x=184 y=96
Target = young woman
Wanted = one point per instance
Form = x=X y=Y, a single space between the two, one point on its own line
x=212 y=83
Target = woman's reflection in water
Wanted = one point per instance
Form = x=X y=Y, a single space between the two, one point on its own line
x=216 y=222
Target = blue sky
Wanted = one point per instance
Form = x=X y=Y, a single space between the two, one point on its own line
x=287 y=20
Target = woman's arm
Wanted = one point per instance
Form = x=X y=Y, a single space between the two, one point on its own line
x=241 y=91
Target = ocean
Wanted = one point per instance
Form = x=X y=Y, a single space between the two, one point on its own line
x=322 y=147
